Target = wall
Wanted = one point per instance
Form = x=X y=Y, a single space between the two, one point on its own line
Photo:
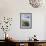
x=13 y=8
x=45 y=28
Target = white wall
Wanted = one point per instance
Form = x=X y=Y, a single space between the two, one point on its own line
x=45 y=28
x=13 y=8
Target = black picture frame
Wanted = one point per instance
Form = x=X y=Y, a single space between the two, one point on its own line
x=25 y=20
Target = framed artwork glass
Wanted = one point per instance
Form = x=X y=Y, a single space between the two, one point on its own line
x=26 y=20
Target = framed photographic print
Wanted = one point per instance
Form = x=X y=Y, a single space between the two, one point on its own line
x=26 y=20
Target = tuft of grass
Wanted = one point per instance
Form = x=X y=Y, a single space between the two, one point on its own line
x=25 y=23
